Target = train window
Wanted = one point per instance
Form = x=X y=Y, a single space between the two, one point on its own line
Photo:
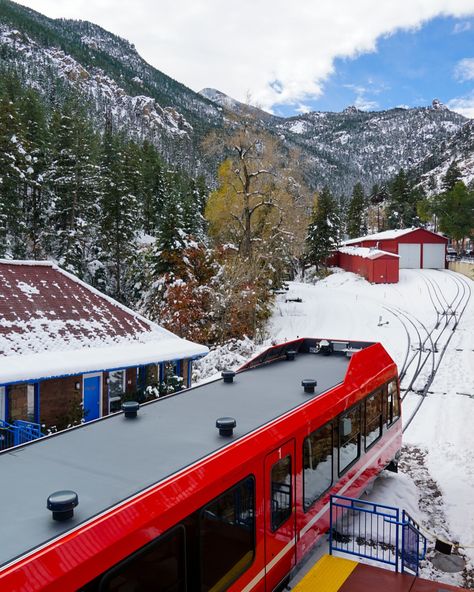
x=317 y=464
x=159 y=566
x=281 y=492
x=373 y=418
x=393 y=403
x=227 y=527
x=349 y=438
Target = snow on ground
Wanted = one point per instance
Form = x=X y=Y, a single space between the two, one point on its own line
x=439 y=444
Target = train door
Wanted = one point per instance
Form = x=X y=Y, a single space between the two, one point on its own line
x=280 y=515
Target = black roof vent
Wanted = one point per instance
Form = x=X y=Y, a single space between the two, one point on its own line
x=130 y=408
x=226 y=426
x=309 y=384
x=326 y=347
x=228 y=376
x=62 y=504
x=291 y=354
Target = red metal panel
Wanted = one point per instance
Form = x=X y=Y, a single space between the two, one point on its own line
x=393 y=271
x=421 y=235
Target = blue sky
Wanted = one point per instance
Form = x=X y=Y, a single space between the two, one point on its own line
x=408 y=68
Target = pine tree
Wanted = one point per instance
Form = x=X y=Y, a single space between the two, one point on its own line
x=403 y=198
x=455 y=209
x=37 y=141
x=356 y=214
x=14 y=170
x=323 y=231
x=452 y=176
x=73 y=180
x=120 y=220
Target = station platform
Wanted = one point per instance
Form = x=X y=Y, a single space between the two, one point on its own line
x=335 y=574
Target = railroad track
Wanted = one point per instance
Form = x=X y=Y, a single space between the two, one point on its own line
x=428 y=345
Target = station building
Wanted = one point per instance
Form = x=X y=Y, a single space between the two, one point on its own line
x=67 y=349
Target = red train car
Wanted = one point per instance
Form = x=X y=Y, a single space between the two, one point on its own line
x=173 y=500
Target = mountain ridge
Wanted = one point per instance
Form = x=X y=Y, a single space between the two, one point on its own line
x=106 y=71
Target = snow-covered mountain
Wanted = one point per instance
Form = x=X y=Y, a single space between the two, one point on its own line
x=64 y=57
x=457 y=148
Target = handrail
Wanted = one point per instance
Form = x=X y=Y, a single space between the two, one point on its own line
x=357 y=527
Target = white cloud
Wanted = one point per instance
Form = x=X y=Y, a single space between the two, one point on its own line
x=463 y=105
x=464 y=70
x=282 y=52
x=365 y=104
x=303 y=108
x=462 y=27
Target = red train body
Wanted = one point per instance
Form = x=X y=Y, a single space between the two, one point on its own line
x=259 y=497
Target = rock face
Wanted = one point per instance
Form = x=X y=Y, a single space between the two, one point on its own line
x=60 y=57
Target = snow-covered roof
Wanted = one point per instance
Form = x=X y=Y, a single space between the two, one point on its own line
x=387 y=235
x=366 y=252
x=52 y=324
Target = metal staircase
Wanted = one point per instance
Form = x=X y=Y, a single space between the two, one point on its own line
x=377 y=532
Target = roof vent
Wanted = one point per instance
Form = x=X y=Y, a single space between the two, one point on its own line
x=325 y=347
x=226 y=426
x=228 y=376
x=62 y=504
x=130 y=408
x=309 y=384
x=291 y=354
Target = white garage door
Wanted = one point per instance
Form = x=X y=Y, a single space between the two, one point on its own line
x=409 y=255
x=433 y=256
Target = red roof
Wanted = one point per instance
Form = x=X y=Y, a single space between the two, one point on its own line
x=43 y=308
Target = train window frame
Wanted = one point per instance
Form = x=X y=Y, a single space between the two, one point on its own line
x=273 y=526
x=200 y=512
x=307 y=508
x=388 y=411
x=340 y=471
x=381 y=392
x=112 y=571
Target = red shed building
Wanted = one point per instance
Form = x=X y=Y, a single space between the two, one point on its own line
x=378 y=267
x=417 y=248
x=68 y=351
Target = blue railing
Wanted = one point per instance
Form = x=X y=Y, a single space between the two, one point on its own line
x=18 y=432
x=375 y=531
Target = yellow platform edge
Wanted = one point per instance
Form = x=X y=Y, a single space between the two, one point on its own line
x=327 y=575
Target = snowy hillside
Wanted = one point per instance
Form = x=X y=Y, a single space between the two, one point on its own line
x=460 y=149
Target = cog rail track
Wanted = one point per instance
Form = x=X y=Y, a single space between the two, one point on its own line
x=427 y=342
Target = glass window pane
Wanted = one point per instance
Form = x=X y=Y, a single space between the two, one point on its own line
x=116 y=383
x=159 y=567
x=349 y=438
x=281 y=492
x=317 y=464
x=393 y=404
x=373 y=418
x=227 y=527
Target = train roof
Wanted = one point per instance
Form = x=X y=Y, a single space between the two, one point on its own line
x=109 y=460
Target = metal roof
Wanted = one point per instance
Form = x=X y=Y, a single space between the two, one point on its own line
x=389 y=235
x=53 y=324
x=111 y=459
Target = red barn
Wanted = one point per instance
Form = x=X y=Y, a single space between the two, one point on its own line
x=378 y=267
x=417 y=248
